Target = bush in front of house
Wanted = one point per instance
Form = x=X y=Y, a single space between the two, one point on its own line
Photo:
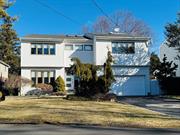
x=13 y=84
x=92 y=80
x=44 y=87
x=59 y=85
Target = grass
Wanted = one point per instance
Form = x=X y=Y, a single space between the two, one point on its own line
x=173 y=96
x=61 y=111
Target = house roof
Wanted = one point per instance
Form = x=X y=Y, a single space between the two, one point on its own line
x=116 y=36
x=85 y=37
x=1 y=62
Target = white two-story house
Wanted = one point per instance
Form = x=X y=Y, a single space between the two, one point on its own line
x=45 y=57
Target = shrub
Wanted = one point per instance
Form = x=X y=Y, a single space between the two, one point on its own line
x=14 y=83
x=170 y=85
x=110 y=97
x=38 y=92
x=59 y=85
x=44 y=87
x=58 y=93
x=77 y=98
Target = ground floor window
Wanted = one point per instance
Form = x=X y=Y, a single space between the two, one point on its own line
x=42 y=77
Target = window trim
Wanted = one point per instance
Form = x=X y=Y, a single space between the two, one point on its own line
x=42 y=47
x=42 y=75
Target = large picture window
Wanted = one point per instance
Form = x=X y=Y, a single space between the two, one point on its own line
x=79 y=47
x=43 y=49
x=123 y=48
x=43 y=77
x=88 y=47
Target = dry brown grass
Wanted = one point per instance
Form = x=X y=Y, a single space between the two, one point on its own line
x=60 y=111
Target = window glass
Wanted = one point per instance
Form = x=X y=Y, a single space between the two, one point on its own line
x=33 y=79
x=46 y=49
x=39 y=49
x=79 y=47
x=43 y=76
x=39 y=75
x=33 y=49
x=52 y=76
x=68 y=85
x=52 y=49
x=123 y=48
x=88 y=47
x=68 y=47
x=68 y=79
x=131 y=48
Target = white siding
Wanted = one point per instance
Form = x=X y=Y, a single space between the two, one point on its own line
x=35 y=60
x=101 y=49
x=140 y=57
x=84 y=56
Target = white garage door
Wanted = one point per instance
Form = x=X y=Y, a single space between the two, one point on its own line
x=129 y=86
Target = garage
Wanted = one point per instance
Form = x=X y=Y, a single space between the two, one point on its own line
x=129 y=85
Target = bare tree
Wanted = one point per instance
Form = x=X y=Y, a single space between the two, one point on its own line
x=124 y=20
x=102 y=25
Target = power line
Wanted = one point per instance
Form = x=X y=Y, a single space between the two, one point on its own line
x=103 y=12
x=57 y=12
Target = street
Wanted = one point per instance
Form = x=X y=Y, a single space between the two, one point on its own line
x=45 y=129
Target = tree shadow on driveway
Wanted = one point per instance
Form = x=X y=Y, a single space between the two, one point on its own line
x=163 y=105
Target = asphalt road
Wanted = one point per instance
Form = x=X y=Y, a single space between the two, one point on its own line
x=28 y=129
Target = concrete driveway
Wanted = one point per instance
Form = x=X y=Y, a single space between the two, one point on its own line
x=24 y=129
x=166 y=106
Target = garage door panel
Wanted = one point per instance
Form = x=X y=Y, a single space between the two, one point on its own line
x=129 y=86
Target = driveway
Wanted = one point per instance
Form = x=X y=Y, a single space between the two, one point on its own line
x=25 y=129
x=163 y=105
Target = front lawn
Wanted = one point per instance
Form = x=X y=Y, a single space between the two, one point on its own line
x=177 y=97
x=61 y=111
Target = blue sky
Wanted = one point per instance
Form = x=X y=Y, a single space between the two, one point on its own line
x=36 y=19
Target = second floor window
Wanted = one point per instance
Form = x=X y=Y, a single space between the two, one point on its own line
x=79 y=47
x=33 y=49
x=46 y=49
x=88 y=47
x=52 y=49
x=123 y=48
x=43 y=49
x=40 y=49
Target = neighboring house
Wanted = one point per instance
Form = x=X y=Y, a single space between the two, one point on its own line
x=45 y=57
x=171 y=53
x=4 y=68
